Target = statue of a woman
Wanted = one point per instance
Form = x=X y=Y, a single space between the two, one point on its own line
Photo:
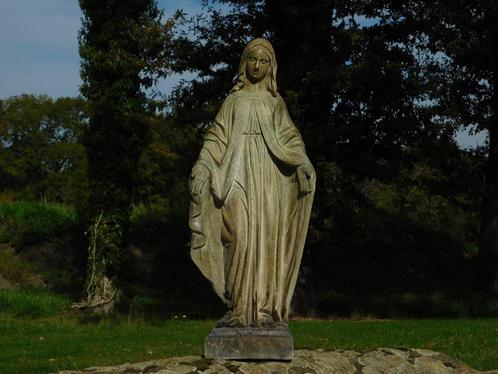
x=252 y=190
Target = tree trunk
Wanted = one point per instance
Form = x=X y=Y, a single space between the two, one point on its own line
x=105 y=242
x=102 y=296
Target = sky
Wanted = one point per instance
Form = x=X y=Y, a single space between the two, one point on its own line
x=39 y=50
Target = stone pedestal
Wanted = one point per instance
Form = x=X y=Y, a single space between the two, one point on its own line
x=250 y=343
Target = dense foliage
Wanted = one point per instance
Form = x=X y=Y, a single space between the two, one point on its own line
x=41 y=157
x=122 y=46
x=467 y=33
x=397 y=199
x=379 y=91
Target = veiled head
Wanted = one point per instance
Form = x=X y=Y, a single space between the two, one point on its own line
x=255 y=67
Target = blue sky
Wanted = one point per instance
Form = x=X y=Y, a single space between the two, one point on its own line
x=39 y=51
x=38 y=45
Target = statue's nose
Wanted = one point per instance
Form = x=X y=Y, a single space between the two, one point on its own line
x=257 y=65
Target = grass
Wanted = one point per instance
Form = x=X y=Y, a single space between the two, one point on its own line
x=51 y=344
x=36 y=303
x=44 y=346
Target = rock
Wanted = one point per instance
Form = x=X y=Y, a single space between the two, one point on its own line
x=250 y=343
x=378 y=361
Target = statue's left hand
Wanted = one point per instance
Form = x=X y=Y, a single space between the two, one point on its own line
x=305 y=178
x=198 y=178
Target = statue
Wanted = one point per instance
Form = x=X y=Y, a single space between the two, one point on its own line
x=252 y=189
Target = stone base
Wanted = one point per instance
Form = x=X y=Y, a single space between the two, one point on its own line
x=250 y=343
x=382 y=360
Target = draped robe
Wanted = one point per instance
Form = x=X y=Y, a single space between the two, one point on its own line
x=249 y=223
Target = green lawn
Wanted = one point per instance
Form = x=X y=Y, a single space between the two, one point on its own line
x=41 y=346
x=44 y=345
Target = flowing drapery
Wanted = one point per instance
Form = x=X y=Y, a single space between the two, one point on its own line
x=249 y=224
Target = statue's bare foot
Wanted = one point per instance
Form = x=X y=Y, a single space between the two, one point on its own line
x=229 y=320
x=235 y=322
x=266 y=320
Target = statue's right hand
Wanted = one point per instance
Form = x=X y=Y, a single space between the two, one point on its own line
x=200 y=175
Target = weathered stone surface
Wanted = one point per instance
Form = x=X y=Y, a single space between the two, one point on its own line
x=379 y=361
x=252 y=190
x=250 y=343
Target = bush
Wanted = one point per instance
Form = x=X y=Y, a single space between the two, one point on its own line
x=24 y=223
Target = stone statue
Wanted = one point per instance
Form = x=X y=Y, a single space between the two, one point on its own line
x=252 y=189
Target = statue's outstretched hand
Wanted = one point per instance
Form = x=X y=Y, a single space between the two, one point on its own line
x=305 y=178
x=199 y=177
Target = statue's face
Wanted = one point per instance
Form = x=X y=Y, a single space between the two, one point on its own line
x=257 y=65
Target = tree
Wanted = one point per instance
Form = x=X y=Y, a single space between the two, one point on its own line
x=123 y=46
x=465 y=34
x=364 y=84
x=41 y=158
